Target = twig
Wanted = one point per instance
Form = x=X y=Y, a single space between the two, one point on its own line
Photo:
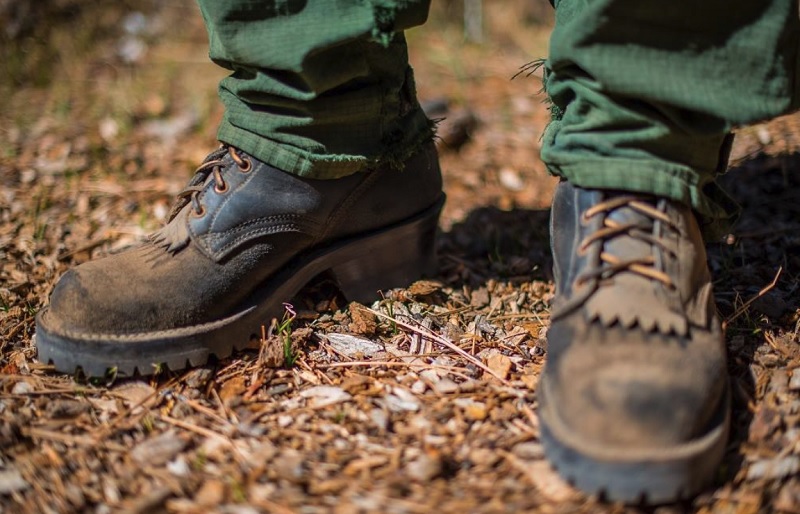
x=450 y=369
x=444 y=342
x=80 y=440
x=204 y=432
x=746 y=304
x=104 y=431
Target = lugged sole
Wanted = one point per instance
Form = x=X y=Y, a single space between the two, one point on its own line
x=363 y=265
x=651 y=477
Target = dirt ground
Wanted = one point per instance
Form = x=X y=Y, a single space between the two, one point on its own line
x=423 y=401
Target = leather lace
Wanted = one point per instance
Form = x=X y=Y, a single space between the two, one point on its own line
x=644 y=266
x=212 y=165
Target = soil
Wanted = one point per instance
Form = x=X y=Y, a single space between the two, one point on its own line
x=424 y=400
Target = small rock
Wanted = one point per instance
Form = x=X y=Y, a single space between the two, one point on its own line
x=111 y=491
x=11 y=481
x=418 y=387
x=158 y=450
x=510 y=179
x=500 y=364
x=179 y=467
x=350 y=345
x=401 y=400
x=445 y=386
x=380 y=418
x=774 y=468
x=763 y=135
x=424 y=468
x=22 y=387
x=212 y=492
x=322 y=396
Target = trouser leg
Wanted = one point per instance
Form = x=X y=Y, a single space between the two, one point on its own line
x=319 y=88
x=644 y=94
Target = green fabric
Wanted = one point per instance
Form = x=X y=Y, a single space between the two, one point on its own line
x=320 y=88
x=645 y=93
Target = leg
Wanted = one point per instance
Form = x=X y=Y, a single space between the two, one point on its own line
x=307 y=101
x=634 y=396
x=313 y=96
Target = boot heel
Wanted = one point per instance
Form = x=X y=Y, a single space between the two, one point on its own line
x=393 y=258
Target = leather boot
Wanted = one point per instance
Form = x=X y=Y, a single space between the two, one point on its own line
x=634 y=396
x=242 y=239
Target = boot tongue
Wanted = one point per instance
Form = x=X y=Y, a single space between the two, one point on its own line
x=645 y=301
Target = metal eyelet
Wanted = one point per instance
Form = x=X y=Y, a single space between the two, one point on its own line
x=200 y=213
x=222 y=189
x=245 y=166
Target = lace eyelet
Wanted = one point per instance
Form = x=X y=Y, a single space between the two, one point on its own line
x=200 y=213
x=222 y=189
x=245 y=166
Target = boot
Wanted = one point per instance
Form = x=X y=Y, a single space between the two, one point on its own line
x=242 y=239
x=634 y=396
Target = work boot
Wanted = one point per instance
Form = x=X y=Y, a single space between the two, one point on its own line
x=634 y=397
x=242 y=239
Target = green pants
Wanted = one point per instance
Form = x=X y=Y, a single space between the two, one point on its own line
x=644 y=94
x=320 y=88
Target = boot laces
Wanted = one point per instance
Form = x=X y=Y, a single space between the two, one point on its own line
x=212 y=165
x=610 y=264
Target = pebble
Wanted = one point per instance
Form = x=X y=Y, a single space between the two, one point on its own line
x=22 y=387
x=322 y=396
x=11 y=481
x=445 y=386
x=424 y=468
x=179 y=467
x=500 y=364
x=418 y=387
x=158 y=450
x=510 y=179
x=774 y=468
x=400 y=400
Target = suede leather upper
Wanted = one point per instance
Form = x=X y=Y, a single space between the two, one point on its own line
x=632 y=361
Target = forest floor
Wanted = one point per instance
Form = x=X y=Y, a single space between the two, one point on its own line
x=424 y=401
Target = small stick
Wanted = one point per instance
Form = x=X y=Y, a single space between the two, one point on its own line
x=746 y=304
x=444 y=342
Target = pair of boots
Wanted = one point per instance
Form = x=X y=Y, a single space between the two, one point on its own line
x=634 y=400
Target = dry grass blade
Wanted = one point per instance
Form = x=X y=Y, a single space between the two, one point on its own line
x=743 y=308
x=444 y=342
